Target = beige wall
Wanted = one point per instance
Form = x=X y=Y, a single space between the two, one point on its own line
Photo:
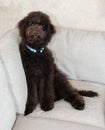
x=82 y=14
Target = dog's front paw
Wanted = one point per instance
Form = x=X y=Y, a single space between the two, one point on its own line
x=46 y=106
x=78 y=103
x=29 y=108
x=28 y=111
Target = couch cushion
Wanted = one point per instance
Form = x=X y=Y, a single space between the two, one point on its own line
x=82 y=14
x=10 y=55
x=28 y=123
x=93 y=114
x=80 y=54
x=7 y=106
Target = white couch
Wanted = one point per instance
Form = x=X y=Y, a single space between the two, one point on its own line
x=80 y=54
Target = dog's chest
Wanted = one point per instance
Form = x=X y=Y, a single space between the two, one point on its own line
x=37 y=65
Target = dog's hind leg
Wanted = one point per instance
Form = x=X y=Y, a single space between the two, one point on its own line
x=64 y=90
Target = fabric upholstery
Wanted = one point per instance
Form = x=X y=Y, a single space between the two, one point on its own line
x=28 y=123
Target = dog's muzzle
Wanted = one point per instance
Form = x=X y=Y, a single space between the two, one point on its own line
x=35 y=33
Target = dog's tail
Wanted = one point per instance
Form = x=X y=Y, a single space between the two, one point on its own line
x=87 y=93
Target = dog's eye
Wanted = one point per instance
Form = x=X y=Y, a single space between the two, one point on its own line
x=44 y=28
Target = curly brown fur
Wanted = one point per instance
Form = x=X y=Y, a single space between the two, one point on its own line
x=46 y=83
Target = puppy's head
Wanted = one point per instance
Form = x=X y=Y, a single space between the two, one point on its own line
x=36 y=29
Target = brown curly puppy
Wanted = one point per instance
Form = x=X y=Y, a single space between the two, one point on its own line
x=46 y=83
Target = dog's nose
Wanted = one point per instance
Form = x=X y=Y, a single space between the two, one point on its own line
x=31 y=33
x=34 y=31
x=36 y=34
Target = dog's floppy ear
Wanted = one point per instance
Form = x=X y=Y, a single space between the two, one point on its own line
x=21 y=26
x=52 y=29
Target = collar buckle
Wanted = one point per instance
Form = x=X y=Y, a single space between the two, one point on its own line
x=35 y=50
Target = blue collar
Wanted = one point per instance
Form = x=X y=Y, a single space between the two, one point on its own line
x=35 y=50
